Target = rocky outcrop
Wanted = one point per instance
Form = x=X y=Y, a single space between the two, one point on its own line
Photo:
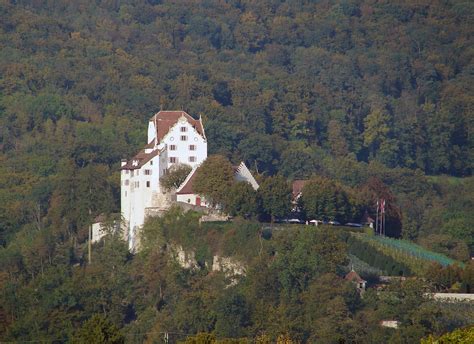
x=187 y=260
x=229 y=266
x=214 y=217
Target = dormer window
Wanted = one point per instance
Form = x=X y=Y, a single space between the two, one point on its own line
x=184 y=129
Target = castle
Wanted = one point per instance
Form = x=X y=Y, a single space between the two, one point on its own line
x=173 y=137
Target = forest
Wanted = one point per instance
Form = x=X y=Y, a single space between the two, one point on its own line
x=291 y=292
x=364 y=95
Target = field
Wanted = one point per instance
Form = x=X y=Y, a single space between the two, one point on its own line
x=406 y=253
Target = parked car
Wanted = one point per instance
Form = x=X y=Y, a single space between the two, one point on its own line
x=317 y=222
x=295 y=221
x=334 y=223
x=353 y=224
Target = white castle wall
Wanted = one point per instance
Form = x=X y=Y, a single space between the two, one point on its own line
x=136 y=196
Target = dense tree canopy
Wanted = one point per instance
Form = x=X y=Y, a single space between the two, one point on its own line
x=323 y=199
x=375 y=96
x=275 y=195
x=175 y=176
x=214 y=178
x=242 y=200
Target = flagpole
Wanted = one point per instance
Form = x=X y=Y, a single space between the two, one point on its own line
x=384 y=231
x=377 y=218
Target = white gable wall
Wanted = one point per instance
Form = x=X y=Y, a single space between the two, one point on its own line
x=182 y=151
x=243 y=174
x=151 y=131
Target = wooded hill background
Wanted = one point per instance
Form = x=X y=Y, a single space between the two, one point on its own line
x=290 y=87
x=347 y=90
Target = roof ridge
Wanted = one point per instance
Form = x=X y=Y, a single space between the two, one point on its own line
x=186 y=181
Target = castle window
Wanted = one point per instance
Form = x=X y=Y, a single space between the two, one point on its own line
x=184 y=129
x=151 y=162
x=172 y=147
x=125 y=193
x=132 y=172
x=173 y=159
x=147 y=184
x=137 y=184
x=147 y=172
x=127 y=182
x=192 y=159
x=138 y=172
x=184 y=138
x=126 y=171
x=192 y=147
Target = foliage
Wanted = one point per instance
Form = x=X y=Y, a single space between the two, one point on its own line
x=452 y=278
x=175 y=176
x=98 y=330
x=293 y=285
x=323 y=199
x=459 y=336
x=295 y=87
x=275 y=194
x=214 y=178
x=374 y=191
x=241 y=200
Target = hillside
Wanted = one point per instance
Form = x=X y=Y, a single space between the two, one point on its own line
x=372 y=98
x=290 y=87
x=290 y=284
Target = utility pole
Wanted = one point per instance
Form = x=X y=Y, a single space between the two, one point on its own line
x=90 y=239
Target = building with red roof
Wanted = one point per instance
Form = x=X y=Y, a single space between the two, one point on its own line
x=173 y=137
x=354 y=277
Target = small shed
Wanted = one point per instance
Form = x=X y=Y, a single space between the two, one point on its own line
x=354 y=277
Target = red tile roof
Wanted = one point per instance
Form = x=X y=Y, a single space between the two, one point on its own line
x=165 y=120
x=187 y=187
x=142 y=158
x=151 y=144
x=354 y=277
x=298 y=187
